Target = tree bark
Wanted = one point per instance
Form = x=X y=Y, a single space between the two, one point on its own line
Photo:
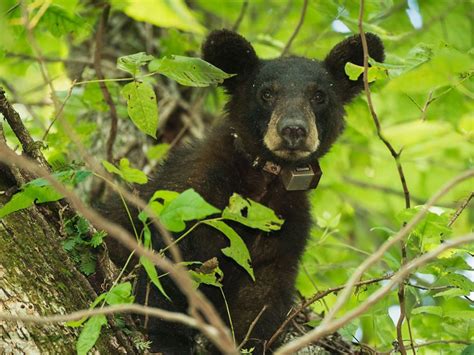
x=37 y=278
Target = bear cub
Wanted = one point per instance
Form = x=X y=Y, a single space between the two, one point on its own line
x=286 y=112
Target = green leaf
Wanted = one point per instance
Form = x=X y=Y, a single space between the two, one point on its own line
x=161 y=13
x=87 y=263
x=189 y=205
x=126 y=172
x=30 y=194
x=120 y=294
x=158 y=151
x=466 y=315
x=150 y=270
x=209 y=278
x=97 y=238
x=237 y=250
x=431 y=229
x=141 y=106
x=60 y=22
x=133 y=62
x=452 y=292
x=374 y=72
x=469 y=350
x=189 y=71
x=251 y=214
x=164 y=195
x=459 y=281
x=132 y=174
x=436 y=310
x=90 y=333
x=19 y=201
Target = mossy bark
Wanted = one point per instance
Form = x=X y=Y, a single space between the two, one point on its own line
x=37 y=278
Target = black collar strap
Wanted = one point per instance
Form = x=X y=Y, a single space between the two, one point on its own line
x=300 y=178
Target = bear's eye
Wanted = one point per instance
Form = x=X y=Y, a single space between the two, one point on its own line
x=318 y=97
x=267 y=95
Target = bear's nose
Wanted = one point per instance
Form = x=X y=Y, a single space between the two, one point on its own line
x=293 y=135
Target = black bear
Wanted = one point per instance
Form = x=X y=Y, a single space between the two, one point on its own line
x=282 y=116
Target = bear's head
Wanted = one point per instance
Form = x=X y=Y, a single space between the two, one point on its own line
x=288 y=110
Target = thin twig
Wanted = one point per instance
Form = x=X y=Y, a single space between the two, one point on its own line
x=60 y=112
x=243 y=10
x=399 y=276
x=319 y=295
x=99 y=41
x=396 y=156
x=297 y=29
x=435 y=342
x=328 y=325
x=30 y=147
x=460 y=209
x=49 y=59
x=252 y=325
x=123 y=308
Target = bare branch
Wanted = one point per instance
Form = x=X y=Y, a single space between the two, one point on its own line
x=328 y=325
x=317 y=297
x=99 y=39
x=252 y=325
x=123 y=308
x=396 y=156
x=60 y=112
x=398 y=277
x=460 y=209
x=297 y=29
x=243 y=10
x=30 y=147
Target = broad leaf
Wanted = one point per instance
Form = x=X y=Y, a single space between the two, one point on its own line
x=133 y=62
x=120 y=294
x=211 y=278
x=238 y=249
x=90 y=333
x=40 y=191
x=189 y=71
x=436 y=310
x=141 y=106
x=152 y=274
x=126 y=172
x=161 y=13
x=251 y=214
x=188 y=206
x=374 y=72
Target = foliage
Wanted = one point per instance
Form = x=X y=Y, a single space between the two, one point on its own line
x=422 y=95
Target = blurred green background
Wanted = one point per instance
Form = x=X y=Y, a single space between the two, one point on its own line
x=425 y=105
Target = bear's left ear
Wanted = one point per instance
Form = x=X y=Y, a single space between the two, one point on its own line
x=350 y=50
x=230 y=52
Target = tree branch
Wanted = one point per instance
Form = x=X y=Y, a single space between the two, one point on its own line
x=103 y=86
x=328 y=325
x=30 y=147
x=297 y=29
x=243 y=10
x=396 y=156
x=398 y=277
x=317 y=297
x=122 y=308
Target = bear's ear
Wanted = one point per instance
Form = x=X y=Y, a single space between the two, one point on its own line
x=231 y=53
x=350 y=50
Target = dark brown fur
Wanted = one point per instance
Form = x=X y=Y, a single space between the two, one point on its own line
x=221 y=165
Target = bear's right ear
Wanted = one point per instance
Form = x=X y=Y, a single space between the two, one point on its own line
x=231 y=53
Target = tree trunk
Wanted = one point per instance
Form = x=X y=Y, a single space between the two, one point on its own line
x=37 y=278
